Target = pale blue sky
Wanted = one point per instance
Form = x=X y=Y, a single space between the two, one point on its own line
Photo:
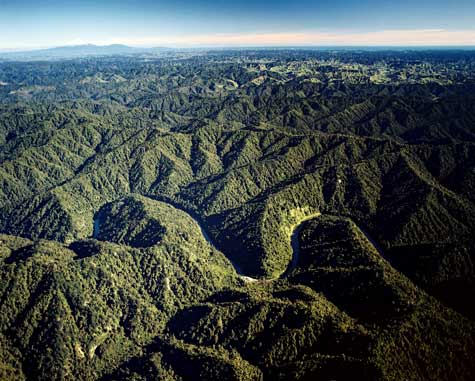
x=41 y=23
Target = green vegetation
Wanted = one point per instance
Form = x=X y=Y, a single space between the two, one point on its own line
x=151 y=206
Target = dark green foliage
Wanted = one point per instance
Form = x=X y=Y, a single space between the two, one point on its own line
x=343 y=182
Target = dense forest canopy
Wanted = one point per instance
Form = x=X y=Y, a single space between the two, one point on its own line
x=238 y=214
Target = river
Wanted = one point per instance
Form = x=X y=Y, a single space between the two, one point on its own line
x=294 y=238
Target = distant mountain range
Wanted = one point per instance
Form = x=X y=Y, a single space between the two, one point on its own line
x=75 y=51
x=91 y=50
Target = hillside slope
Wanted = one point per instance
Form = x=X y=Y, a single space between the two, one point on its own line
x=151 y=209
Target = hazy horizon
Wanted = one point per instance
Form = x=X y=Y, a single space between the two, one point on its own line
x=27 y=24
x=253 y=47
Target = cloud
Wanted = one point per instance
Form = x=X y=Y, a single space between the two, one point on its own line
x=416 y=37
x=413 y=37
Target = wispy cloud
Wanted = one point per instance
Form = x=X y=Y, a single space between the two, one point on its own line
x=416 y=37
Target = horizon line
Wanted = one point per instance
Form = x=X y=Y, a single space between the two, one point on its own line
x=250 y=47
x=382 y=38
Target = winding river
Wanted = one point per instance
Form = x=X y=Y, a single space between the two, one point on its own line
x=295 y=244
x=294 y=238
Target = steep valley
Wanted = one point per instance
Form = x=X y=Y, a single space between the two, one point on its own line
x=243 y=215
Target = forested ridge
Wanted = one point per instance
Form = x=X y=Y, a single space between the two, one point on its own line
x=149 y=206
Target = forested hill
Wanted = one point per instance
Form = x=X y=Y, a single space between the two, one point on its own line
x=151 y=207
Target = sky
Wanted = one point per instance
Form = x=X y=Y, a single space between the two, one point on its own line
x=26 y=24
